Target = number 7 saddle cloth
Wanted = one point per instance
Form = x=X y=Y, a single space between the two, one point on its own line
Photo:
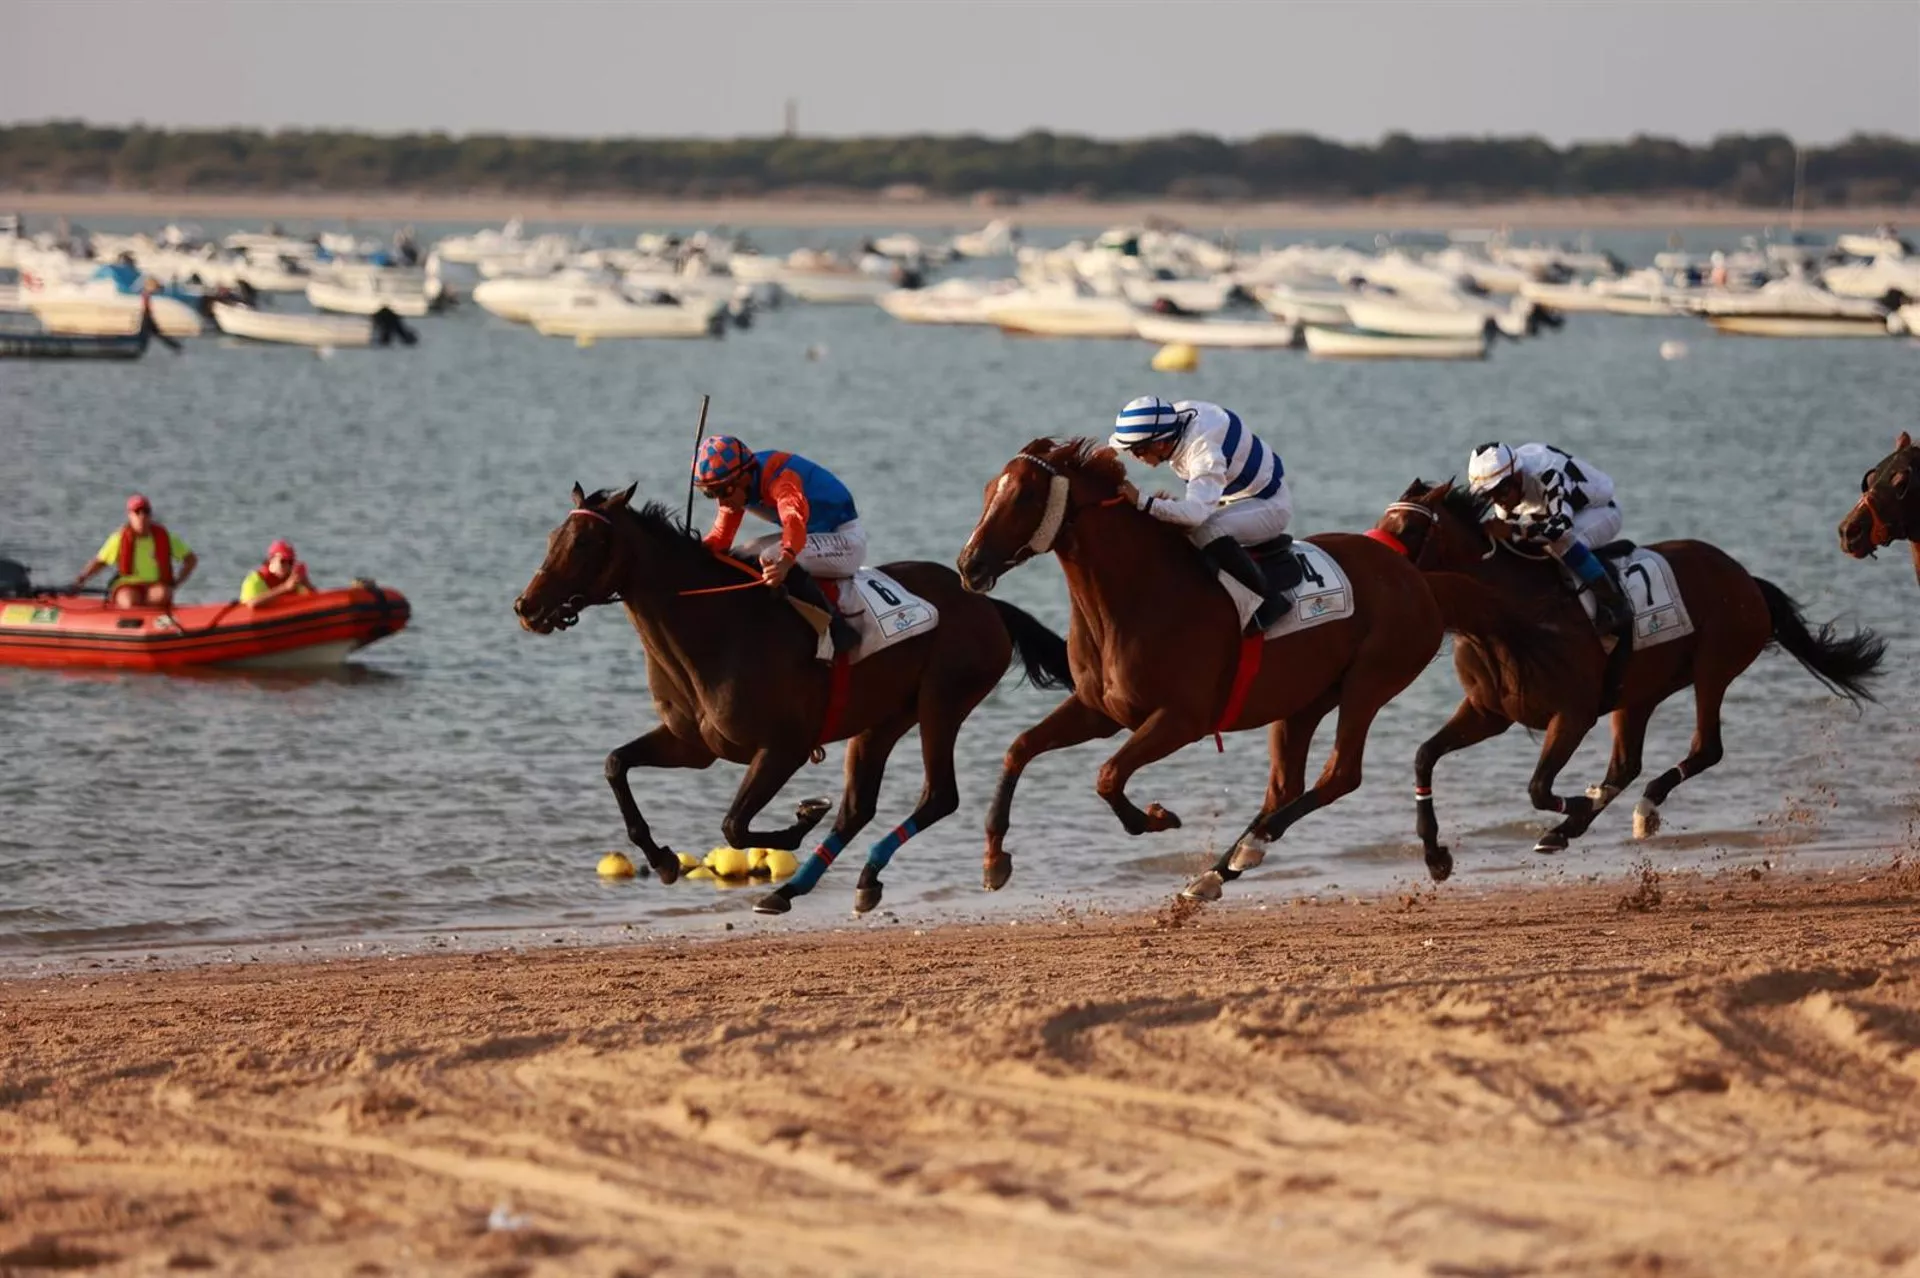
x=881 y=610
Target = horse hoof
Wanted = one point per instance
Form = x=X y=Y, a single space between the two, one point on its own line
x=866 y=896
x=667 y=867
x=1550 y=842
x=773 y=903
x=1204 y=888
x=812 y=810
x=1440 y=864
x=1646 y=819
x=1246 y=856
x=1158 y=819
x=999 y=869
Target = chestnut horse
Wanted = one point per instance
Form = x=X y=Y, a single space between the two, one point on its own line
x=732 y=670
x=1559 y=682
x=1889 y=506
x=1155 y=648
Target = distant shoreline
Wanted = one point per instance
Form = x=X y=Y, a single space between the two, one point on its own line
x=1564 y=215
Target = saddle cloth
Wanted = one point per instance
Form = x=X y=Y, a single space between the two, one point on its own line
x=880 y=609
x=1646 y=582
x=1322 y=595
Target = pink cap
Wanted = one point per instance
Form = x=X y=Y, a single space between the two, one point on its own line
x=283 y=548
x=137 y=502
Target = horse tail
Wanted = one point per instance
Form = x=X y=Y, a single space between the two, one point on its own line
x=1843 y=663
x=1041 y=652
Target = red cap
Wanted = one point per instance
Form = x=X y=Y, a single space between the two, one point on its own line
x=281 y=548
x=137 y=502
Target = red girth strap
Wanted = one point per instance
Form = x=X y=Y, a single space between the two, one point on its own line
x=1245 y=671
x=1386 y=539
x=162 y=552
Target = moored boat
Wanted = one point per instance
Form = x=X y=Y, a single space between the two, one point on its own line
x=295 y=632
x=295 y=329
x=1266 y=334
x=1354 y=343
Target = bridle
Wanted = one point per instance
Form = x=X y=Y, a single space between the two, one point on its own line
x=1882 y=530
x=566 y=614
x=1432 y=517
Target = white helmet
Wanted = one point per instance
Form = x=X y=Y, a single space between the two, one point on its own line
x=1143 y=421
x=1489 y=464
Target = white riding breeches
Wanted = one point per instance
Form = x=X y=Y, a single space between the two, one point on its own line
x=1596 y=525
x=827 y=554
x=1249 y=521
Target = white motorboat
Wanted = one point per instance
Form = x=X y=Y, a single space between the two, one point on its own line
x=843 y=286
x=1060 y=311
x=364 y=294
x=1376 y=313
x=955 y=301
x=516 y=299
x=612 y=315
x=1353 y=343
x=1194 y=296
x=1792 y=307
x=1324 y=305
x=111 y=314
x=468 y=249
x=296 y=329
x=1568 y=298
x=996 y=239
x=1883 y=277
x=1267 y=334
x=1884 y=242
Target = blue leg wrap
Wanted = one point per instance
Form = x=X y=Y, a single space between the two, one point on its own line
x=816 y=865
x=1585 y=564
x=882 y=852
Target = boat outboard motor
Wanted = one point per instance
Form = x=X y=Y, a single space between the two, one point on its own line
x=387 y=326
x=14 y=582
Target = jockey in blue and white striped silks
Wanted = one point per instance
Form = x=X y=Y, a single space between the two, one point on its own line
x=1236 y=485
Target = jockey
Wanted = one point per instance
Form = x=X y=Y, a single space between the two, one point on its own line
x=1539 y=495
x=820 y=533
x=1237 y=493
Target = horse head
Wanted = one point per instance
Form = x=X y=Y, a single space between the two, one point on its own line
x=583 y=563
x=1030 y=504
x=1889 y=505
x=1437 y=526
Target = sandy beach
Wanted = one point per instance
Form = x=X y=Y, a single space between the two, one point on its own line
x=1702 y=1075
x=824 y=213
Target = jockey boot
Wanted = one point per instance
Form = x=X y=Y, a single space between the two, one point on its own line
x=1611 y=614
x=1232 y=558
x=802 y=586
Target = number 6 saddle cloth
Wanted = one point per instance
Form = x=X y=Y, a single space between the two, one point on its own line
x=1322 y=595
x=881 y=610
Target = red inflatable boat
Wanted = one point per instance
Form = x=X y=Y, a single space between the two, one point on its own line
x=292 y=632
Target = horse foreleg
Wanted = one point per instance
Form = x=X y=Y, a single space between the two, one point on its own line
x=1705 y=753
x=1072 y=722
x=1161 y=734
x=939 y=799
x=657 y=749
x=865 y=767
x=1288 y=742
x=1623 y=765
x=1471 y=724
x=1564 y=734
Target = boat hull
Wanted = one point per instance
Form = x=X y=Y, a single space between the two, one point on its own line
x=1218 y=334
x=117 y=316
x=1334 y=343
x=344 y=299
x=1801 y=325
x=298 y=632
x=292 y=330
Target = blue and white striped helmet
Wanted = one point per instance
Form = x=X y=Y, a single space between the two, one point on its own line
x=1143 y=421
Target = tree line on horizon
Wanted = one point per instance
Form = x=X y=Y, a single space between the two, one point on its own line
x=1747 y=169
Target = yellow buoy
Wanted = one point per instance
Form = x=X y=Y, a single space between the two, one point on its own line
x=688 y=861
x=614 y=865
x=1176 y=357
x=728 y=863
x=701 y=872
x=781 y=865
x=757 y=860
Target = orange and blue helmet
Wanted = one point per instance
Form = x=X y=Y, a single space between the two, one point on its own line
x=719 y=459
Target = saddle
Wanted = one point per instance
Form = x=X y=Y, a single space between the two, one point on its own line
x=1277 y=560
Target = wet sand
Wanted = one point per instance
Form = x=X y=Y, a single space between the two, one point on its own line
x=1703 y=1075
x=841 y=211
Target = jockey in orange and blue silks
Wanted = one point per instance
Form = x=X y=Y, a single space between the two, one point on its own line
x=820 y=533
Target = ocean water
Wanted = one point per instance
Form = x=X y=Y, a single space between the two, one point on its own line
x=447 y=789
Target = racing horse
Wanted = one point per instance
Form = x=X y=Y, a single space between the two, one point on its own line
x=1155 y=647
x=1558 y=681
x=1889 y=506
x=733 y=674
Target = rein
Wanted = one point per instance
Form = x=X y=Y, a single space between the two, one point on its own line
x=1882 y=530
x=727 y=590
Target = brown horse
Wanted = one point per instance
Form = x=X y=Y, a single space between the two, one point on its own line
x=732 y=671
x=1889 y=506
x=1558 y=680
x=1155 y=647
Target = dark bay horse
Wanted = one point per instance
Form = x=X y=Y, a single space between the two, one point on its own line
x=1889 y=506
x=732 y=671
x=1155 y=648
x=1557 y=682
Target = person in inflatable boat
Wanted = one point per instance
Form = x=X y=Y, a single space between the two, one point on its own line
x=282 y=574
x=142 y=554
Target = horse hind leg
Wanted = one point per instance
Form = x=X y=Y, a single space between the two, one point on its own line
x=1705 y=753
x=939 y=799
x=866 y=766
x=1629 y=739
x=1289 y=741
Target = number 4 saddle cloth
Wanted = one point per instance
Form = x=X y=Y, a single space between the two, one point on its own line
x=1321 y=592
x=881 y=610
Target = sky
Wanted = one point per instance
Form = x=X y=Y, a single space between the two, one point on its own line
x=1351 y=70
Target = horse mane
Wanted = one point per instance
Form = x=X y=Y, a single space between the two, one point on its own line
x=1086 y=456
x=1462 y=503
x=654 y=517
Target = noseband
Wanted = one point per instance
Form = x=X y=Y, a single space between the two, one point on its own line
x=567 y=613
x=1884 y=532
